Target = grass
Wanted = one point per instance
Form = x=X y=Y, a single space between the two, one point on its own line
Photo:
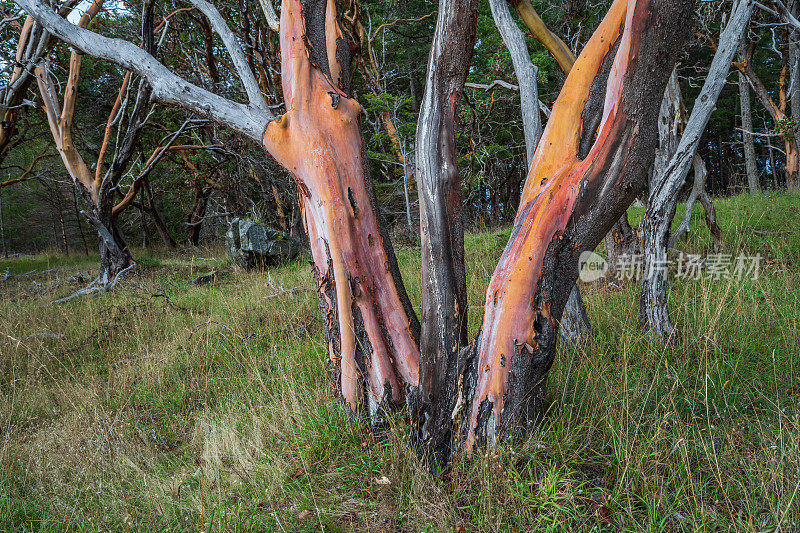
x=170 y=407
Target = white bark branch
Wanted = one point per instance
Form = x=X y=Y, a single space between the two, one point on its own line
x=219 y=25
x=526 y=73
x=270 y=15
x=681 y=162
x=168 y=88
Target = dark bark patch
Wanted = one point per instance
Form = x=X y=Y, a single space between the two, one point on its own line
x=593 y=109
x=351 y=197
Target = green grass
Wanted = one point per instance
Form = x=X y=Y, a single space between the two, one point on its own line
x=170 y=407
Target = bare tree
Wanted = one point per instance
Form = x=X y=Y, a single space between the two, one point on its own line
x=747 y=129
x=670 y=174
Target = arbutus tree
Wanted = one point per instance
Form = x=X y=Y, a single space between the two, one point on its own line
x=591 y=162
x=370 y=326
x=779 y=110
x=588 y=167
x=575 y=327
x=33 y=45
x=99 y=186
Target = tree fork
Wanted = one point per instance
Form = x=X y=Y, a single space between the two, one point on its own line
x=672 y=167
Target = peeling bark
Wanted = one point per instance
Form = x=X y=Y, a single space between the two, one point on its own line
x=576 y=328
x=444 y=294
x=371 y=329
x=570 y=201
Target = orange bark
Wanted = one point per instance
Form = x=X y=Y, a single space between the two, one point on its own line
x=552 y=42
x=371 y=344
x=517 y=315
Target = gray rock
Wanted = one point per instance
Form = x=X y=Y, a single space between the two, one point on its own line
x=205 y=279
x=254 y=246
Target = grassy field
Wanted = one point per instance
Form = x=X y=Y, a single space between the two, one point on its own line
x=166 y=406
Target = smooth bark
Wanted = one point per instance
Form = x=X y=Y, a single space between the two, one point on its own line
x=576 y=330
x=539 y=31
x=578 y=187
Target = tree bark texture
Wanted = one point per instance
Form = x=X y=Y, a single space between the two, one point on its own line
x=672 y=166
x=370 y=326
x=576 y=330
x=578 y=187
x=371 y=329
x=444 y=294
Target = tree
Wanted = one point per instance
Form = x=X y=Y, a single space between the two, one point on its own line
x=585 y=172
x=575 y=327
x=99 y=188
x=779 y=110
x=674 y=164
x=747 y=129
x=32 y=46
x=582 y=180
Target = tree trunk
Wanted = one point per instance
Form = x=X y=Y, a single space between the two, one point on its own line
x=444 y=294
x=747 y=135
x=670 y=177
x=794 y=63
x=198 y=213
x=114 y=253
x=579 y=332
x=370 y=326
x=792 y=161
x=155 y=213
x=578 y=187
x=773 y=167
x=699 y=193
x=63 y=227
x=526 y=73
x=2 y=227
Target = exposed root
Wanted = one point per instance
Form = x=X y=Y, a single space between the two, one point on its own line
x=95 y=286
